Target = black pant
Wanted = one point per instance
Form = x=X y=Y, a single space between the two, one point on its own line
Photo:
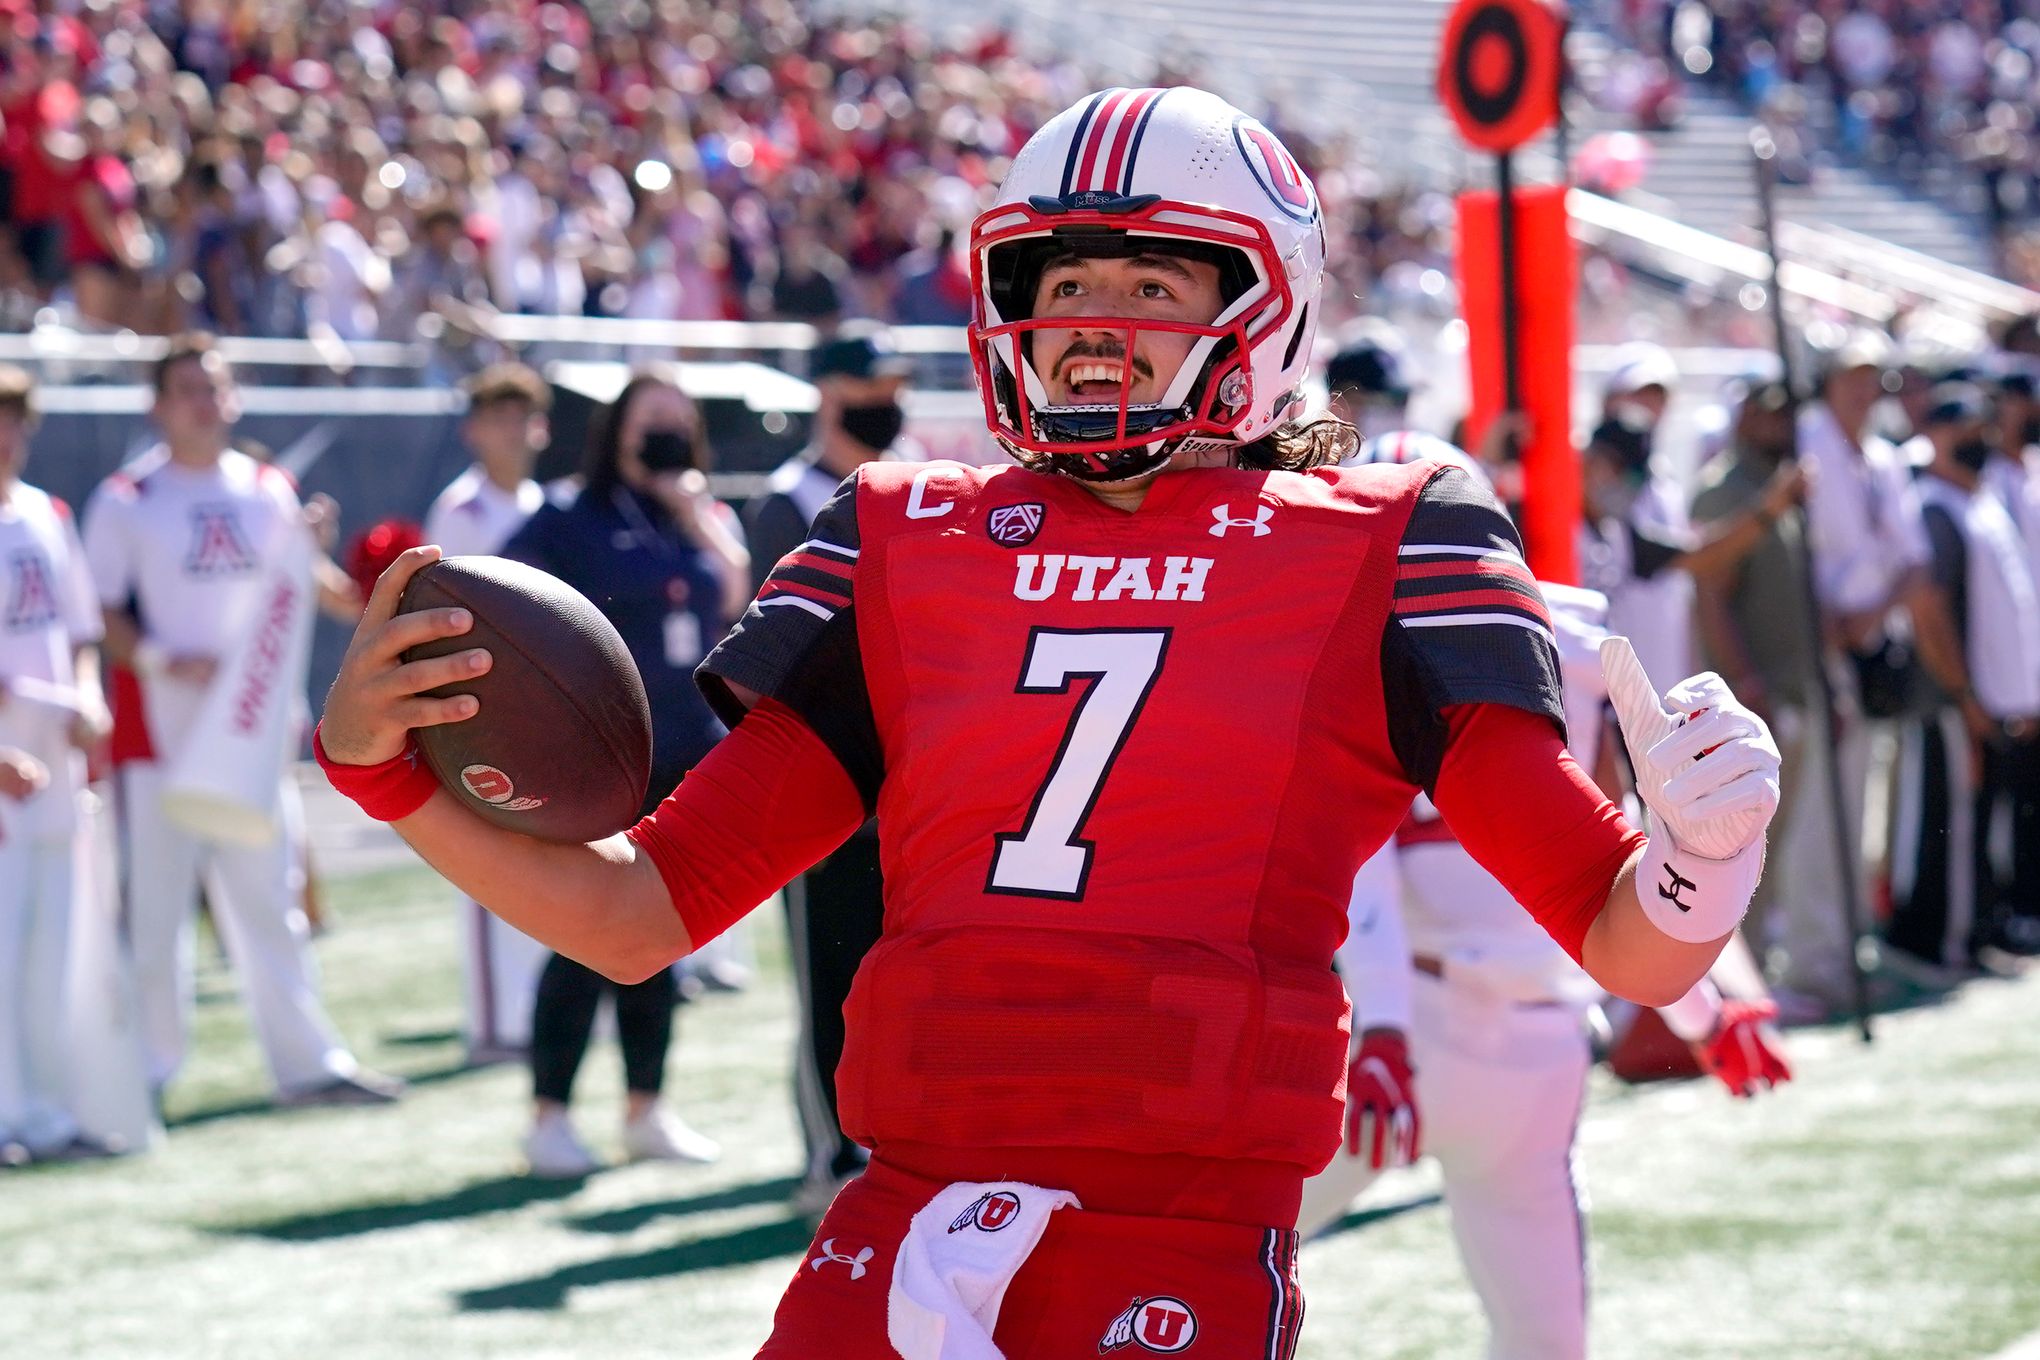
x=1938 y=856
x=563 y=1017
x=2010 y=794
x=569 y=994
x=835 y=912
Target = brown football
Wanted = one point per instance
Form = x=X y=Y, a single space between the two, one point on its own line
x=561 y=747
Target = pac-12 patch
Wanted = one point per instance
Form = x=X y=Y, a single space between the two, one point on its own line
x=1014 y=526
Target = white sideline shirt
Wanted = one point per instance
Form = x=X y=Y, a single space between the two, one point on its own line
x=475 y=517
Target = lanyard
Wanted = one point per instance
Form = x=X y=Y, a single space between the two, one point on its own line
x=641 y=529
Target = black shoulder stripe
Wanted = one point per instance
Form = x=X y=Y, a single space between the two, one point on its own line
x=797 y=643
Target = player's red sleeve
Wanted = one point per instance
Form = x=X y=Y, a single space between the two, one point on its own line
x=1524 y=809
x=766 y=803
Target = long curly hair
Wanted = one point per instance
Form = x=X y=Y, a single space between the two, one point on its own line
x=1317 y=440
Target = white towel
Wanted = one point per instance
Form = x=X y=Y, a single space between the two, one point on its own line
x=960 y=1253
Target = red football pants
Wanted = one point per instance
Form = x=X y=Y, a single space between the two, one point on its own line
x=1098 y=1284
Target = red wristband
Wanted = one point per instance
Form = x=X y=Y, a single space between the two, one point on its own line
x=388 y=792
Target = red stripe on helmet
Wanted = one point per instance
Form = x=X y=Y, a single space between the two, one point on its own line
x=1126 y=126
x=1096 y=140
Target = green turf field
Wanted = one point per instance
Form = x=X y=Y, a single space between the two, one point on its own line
x=1885 y=1207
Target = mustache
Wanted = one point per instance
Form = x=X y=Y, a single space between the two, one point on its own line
x=1112 y=350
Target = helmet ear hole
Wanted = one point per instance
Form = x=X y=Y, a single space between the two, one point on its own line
x=1296 y=336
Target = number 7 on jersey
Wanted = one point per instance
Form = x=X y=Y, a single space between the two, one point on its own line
x=1046 y=858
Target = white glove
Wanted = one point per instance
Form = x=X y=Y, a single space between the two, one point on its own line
x=1707 y=769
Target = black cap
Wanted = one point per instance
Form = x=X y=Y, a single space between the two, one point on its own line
x=1771 y=397
x=1376 y=369
x=2018 y=380
x=1627 y=439
x=1957 y=404
x=859 y=351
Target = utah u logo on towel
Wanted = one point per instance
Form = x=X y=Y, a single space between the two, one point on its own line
x=989 y=1213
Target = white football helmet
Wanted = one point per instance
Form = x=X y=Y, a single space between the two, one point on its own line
x=1160 y=171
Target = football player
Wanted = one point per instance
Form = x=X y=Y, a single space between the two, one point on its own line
x=1131 y=713
x=1472 y=1047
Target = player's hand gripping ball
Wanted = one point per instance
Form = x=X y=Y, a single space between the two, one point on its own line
x=1382 y=1124
x=1743 y=1053
x=561 y=747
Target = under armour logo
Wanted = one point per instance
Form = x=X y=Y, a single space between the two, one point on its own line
x=1675 y=884
x=1259 y=523
x=856 y=1263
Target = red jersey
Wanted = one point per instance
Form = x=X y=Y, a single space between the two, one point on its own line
x=1125 y=768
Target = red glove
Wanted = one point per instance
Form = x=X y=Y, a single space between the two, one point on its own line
x=1743 y=1051
x=1381 y=1102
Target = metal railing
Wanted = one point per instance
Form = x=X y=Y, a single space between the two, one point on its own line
x=50 y=346
x=1720 y=266
x=1949 y=286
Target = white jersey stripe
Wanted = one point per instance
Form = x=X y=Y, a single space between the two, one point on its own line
x=1474 y=620
x=835 y=548
x=797 y=602
x=1456 y=550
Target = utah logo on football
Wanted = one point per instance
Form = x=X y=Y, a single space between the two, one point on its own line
x=493 y=787
x=1161 y=1324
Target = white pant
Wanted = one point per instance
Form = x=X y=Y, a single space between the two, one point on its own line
x=1499 y=1086
x=1807 y=918
x=500 y=965
x=36 y=885
x=254 y=895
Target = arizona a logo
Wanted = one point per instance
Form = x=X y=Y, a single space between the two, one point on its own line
x=217 y=547
x=1161 y=1324
x=1014 y=526
x=31 y=595
x=988 y=1213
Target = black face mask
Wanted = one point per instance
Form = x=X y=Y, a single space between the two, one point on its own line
x=666 y=451
x=874 y=426
x=1972 y=454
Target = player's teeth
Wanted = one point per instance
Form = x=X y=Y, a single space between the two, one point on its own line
x=1083 y=373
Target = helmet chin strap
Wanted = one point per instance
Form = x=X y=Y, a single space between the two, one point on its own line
x=1154 y=458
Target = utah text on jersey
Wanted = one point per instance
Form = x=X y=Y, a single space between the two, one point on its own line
x=1042 y=577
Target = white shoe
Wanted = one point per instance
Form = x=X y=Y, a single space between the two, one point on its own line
x=659 y=1135
x=555 y=1152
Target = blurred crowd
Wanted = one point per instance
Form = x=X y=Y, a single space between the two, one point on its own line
x=271 y=168
x=360 y=169
x=1912 y=85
